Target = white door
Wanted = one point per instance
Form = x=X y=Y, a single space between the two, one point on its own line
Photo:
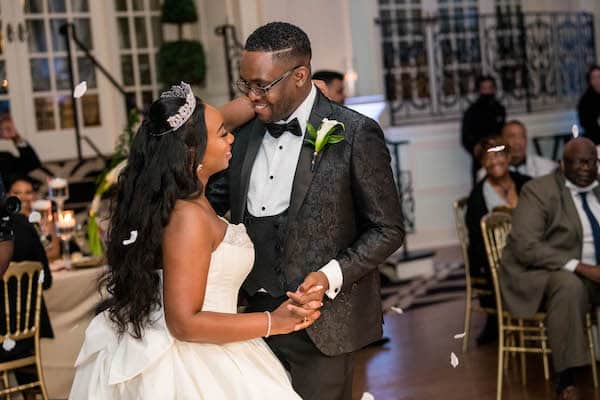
x=43 y=111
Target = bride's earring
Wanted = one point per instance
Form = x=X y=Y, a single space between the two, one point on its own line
x=199 y=169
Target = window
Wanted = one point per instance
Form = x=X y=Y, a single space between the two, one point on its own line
x=140 y=36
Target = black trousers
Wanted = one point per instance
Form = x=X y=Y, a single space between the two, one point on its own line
x=315 y=376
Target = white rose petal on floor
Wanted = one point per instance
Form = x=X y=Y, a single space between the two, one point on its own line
x=459 y=335
x=453 y=360
x=367 y=396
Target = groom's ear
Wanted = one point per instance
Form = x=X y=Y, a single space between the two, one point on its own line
x=302 y=76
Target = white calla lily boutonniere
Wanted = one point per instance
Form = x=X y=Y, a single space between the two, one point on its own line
x=326 y=134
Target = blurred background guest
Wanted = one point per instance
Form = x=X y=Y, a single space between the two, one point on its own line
x=499 y=188
x=24 y=188
x=484 y=118
x=334 y=80
x=6 y=237
x=27 y=160
x=521 y=160
x=589 y=106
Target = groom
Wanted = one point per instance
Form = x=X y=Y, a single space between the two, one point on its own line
x=319 y=231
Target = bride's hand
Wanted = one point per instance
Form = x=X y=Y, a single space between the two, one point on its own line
x=289 y=318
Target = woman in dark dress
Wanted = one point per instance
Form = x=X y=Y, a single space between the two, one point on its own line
x=499 y=188
x=589 y=106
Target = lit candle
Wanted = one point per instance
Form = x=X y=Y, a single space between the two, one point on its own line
x=66 y=219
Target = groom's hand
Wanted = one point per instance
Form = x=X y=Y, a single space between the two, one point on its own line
x=310 y=293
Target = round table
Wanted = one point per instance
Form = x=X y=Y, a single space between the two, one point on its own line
x=71 y=302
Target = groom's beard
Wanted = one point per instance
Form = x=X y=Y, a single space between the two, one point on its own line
x=272 y=112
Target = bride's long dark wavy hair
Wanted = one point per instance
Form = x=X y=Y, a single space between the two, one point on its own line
x=160 y=170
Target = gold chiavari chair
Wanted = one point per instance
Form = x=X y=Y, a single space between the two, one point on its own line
x=530 y=333
x=475 y=286
x=22 y=319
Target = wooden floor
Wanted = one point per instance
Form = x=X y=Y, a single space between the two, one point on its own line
x=415 y=364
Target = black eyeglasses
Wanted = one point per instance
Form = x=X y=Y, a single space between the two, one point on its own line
x=246 y=87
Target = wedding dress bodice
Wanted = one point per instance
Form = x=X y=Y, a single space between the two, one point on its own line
x=231 y=262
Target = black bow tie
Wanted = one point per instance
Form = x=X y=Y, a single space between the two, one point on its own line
x=276 y=130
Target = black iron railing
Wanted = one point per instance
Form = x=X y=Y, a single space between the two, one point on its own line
x=70 y=36
x=431 y=63
x=233 y=51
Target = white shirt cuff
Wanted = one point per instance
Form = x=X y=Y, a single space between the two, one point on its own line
x=571 y=265
x=333 y=271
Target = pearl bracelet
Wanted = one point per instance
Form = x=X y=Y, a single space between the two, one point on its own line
x=268 y=324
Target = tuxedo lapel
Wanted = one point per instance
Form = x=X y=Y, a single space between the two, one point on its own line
x=304 y=175
x=254 y=141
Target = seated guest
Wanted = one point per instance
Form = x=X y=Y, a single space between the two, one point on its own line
x=23 y=188
x=588 y=107
x=521 y=161
x=484 y=118
x=552 y=257
x=27 y=160
x=27 y=247
x=335 y=84
x=499 y=188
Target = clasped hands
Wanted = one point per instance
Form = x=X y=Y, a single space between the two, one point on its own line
x=307 y=300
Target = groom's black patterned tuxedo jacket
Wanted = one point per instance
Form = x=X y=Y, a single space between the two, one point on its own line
x=347 y=209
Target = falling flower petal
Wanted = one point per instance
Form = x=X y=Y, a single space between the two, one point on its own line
x=575 y=131
x=397 y=310
x=367 y=396
x=35 y=217
x=496 y=149
x=8 y=344
x=80 y=89
x=459 y=335
x=41 y=277
x=132 y=238
x=453 y=360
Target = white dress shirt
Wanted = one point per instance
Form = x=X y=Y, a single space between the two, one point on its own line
x=588 y=250
x=535 y=166
x=272 y=178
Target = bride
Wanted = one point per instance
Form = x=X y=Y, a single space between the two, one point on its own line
x=172 y=331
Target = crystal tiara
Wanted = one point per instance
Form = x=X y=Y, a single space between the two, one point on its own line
x=184 y=91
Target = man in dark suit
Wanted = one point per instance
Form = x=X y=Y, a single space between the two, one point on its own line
x=319 y=231
x=552 y=257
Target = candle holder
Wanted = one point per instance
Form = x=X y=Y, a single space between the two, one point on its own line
x=58 y=191
x=65 y=228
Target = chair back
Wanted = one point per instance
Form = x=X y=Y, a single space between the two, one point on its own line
x=460 y=212
x=495 y=227
x=22 y=287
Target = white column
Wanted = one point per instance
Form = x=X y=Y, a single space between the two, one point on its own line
x=366 y=45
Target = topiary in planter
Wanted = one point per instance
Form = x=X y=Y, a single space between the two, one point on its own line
x=183 y=60
x=179 y=11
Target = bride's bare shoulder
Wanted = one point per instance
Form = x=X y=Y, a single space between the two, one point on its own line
x=189 y=216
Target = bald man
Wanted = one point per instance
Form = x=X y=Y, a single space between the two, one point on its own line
x=552 y=256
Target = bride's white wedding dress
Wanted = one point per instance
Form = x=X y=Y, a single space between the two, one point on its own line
x=158 y=366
